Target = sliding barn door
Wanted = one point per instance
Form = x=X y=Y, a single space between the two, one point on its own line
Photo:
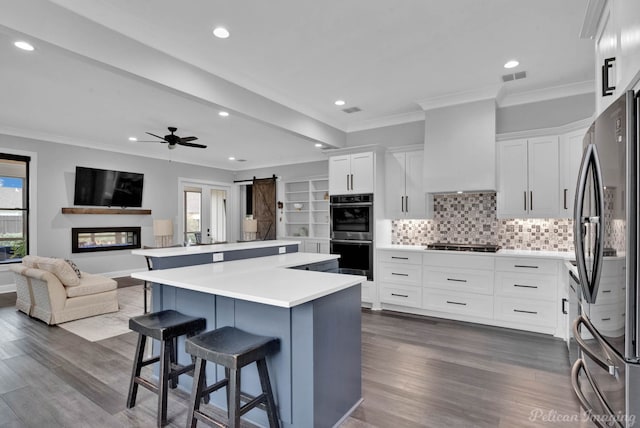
x=264 y=207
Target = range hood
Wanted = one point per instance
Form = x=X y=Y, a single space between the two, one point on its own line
x=460 y=148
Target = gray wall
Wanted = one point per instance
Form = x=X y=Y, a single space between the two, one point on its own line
x=54 y=190
x=389 y=136
x=545 y=114
x=288 y=172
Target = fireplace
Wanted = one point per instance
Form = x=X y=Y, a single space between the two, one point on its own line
x=90 y=239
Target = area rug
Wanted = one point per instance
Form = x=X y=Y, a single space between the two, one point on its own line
x=100 y=327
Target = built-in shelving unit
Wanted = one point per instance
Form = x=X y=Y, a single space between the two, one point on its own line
x=74 y=210
x=306 y=209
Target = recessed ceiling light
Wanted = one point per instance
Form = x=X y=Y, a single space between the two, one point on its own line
x=24 y=45
x=511 y=64
x=459 y=192
x=318 y=145
x=339 y=102
x=223 y=113
x=133 y=139
x=232 y=158
x=221 y=32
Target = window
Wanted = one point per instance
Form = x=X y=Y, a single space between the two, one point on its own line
x=192 y=217
x=14 y=207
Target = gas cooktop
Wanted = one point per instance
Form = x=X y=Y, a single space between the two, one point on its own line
x=478 y=248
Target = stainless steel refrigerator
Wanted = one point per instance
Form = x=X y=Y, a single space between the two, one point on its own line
x=606 y=375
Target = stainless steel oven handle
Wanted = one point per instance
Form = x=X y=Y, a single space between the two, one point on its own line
x=350 y=241
x=351 y=205
x=575 y=382
x=607 y=364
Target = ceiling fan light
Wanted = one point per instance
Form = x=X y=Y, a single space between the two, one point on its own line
x=223 y=113
x=172 y=146
x=221 y=32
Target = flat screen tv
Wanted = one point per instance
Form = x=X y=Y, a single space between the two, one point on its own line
x=106 y=188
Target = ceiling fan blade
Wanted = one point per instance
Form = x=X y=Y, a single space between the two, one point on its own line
x=185 y=139
x=154 y=135
x=150 y=141
x=200 y=146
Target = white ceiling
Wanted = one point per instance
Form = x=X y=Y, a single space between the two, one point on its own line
x=104 y=70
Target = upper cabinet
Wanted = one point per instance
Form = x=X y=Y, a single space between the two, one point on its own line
x=570 y=158
x=617 y=37
x=403 y=185
x=351 y=173
x=528 y=178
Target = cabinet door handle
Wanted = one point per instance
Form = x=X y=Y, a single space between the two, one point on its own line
x=351 y=181
x=606 y=319
x=399 y=274
x=406 y=204
x=525 y=200
x=565 y=199
x=526 y=266
x=525 y=286
x=456 y=280
x=606 y=291
x=531 y=201
x=456 y=303
x=399 y=295
x=400 y=258
x=525 y=312
x=564 y=306
x=348 y=182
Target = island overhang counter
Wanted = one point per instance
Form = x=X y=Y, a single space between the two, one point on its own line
x=316 y=375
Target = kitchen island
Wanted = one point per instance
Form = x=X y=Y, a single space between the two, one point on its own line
x=316 y=375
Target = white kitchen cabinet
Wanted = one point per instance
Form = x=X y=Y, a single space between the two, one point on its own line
x=400 y=278
x=316 y=246
x=570 y=159
x=351 y=173
x=528 y=178
x=526 y=292
x=403 y=184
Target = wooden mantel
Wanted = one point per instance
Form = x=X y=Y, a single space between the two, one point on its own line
x=74 y=210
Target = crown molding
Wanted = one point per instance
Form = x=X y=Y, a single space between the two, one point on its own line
x=546 y=94
x=456 y=98
x=396 y=119
x=542 y=132
x=592 y=19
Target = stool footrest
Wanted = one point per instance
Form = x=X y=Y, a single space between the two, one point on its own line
x=150 y=361
x=254 y=402
x=216 y=386
x=246 y=398
x=178 y=369
x=146 y=383
x=208 y=419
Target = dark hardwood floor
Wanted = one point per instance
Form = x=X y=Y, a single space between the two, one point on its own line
x=417 y=372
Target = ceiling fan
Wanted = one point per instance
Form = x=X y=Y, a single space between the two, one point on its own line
x=174 y=140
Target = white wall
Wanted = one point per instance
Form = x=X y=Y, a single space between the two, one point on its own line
x=405 y=134
x=55 y=185
x=545 y=114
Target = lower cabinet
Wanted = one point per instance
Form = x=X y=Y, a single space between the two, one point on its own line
x=400 y=275
x=320 y=246
x=512 y=292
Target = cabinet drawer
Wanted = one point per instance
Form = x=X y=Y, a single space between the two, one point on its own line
x=401 y=295
x=367 y=292
x=465 y=280
x=613 y=267
x=399 y=273
x=527 y=265
x=456 y=260
x=608 y=317
x=406 y=257
x=476 y=305
x=533 y=312
x=611 y=288
x=526 y=285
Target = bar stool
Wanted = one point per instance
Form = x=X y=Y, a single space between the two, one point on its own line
x=165 y=326
x=233 y=349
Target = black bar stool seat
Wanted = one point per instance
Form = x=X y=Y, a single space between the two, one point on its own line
x=232 y=348
x=164 y=326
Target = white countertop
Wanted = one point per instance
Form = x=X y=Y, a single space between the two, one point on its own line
x=262 y=279
x=212 y=248
x=559 y=255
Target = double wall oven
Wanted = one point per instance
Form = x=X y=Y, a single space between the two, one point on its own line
x=352 y=225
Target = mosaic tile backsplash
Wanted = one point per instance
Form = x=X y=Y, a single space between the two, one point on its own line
x=470 y=218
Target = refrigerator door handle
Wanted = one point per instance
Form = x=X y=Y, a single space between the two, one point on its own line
x=590 y=161
x=589 y=409
x=608 y=364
